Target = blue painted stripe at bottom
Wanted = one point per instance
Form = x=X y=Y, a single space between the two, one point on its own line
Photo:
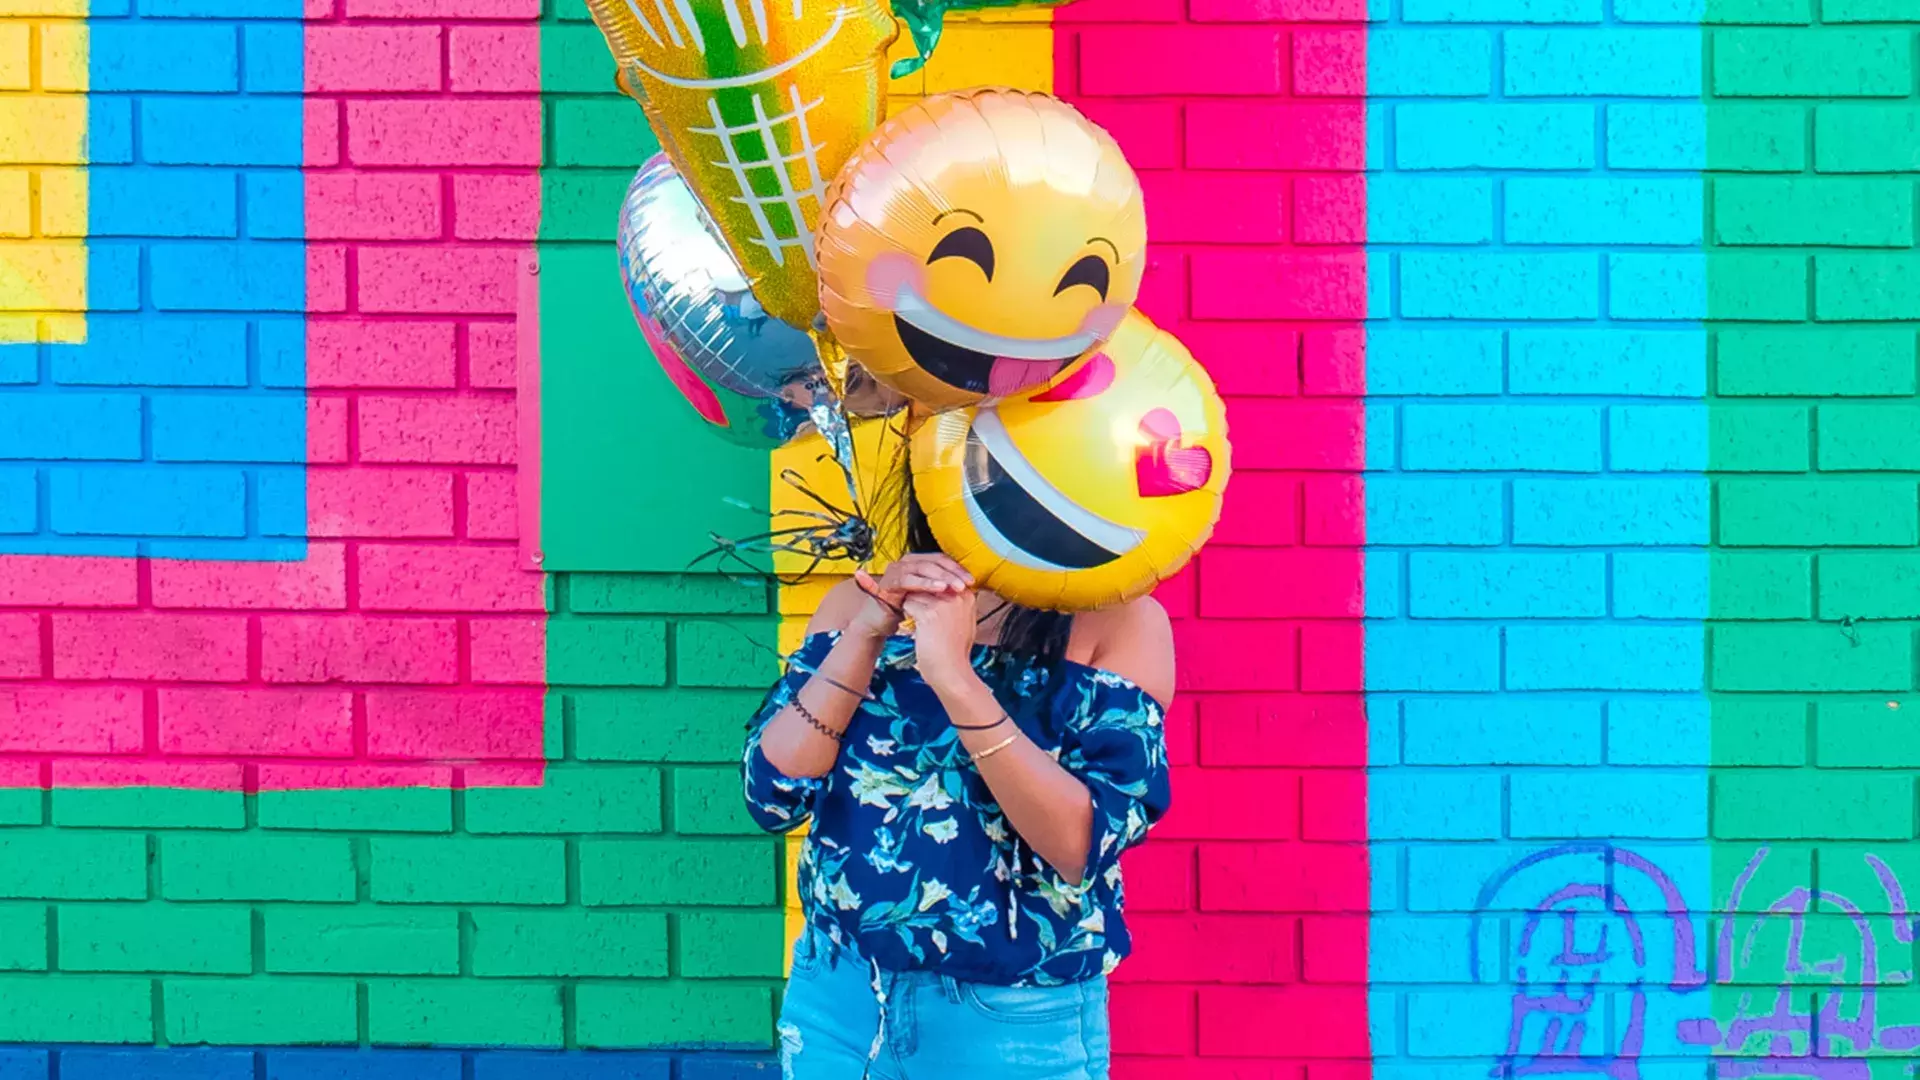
x=270 y=1063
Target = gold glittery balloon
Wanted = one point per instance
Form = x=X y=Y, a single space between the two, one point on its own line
x=759 y=103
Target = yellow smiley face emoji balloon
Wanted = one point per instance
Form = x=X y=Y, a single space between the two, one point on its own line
x=978 y=243
x=1086 y=492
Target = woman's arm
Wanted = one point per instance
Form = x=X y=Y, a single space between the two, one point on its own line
x=1048 y=806
x=794 y=745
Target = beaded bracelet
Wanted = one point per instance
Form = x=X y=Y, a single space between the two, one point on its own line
x=807 y=715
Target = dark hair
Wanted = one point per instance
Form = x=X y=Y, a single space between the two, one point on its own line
x=1041 y=635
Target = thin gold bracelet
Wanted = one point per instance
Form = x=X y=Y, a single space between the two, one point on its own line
x=995 y=748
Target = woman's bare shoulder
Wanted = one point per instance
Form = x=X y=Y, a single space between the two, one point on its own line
x=837 y=608
x=1134 y=640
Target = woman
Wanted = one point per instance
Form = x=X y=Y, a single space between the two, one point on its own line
x=970 y=790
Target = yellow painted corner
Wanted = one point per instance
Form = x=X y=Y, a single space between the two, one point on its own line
x=63 y=329
x=43 y=277
x=52 y=9
x=16 y=56
x=1019 y=56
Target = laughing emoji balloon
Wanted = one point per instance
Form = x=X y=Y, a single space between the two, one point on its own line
x=978 y=243
x=1086 y=492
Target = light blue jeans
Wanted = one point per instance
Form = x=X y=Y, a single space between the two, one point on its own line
x=832 y=1025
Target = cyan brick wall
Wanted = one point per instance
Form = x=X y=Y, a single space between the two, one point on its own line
x=1537 y=511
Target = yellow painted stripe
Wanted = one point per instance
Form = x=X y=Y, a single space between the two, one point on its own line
x=1007 y=48
x=43 y=182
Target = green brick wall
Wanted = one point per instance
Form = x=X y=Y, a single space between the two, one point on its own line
x=1814 y=304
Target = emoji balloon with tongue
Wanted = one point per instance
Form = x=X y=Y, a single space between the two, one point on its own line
x=978 y=243
x=1086 y=492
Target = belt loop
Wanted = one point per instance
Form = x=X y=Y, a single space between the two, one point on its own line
x=951 y=987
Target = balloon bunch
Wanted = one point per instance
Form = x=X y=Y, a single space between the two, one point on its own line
x=968 y=267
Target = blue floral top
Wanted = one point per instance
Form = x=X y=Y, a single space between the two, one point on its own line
x=910 y=861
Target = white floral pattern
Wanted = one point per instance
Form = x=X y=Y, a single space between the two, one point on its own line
x=910 y=861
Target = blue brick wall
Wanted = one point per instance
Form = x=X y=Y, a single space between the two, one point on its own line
x=178 y=429
x=276 y=1064
x=1536 y=501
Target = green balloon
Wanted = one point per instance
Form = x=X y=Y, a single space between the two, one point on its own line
x=924 y=19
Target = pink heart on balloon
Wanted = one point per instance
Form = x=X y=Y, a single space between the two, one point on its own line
x=1162 y=466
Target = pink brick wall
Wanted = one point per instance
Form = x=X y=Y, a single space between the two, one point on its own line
x=1246 y=122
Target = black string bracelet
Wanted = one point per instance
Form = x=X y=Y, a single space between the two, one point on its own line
x=807 y=715
x=981 y=727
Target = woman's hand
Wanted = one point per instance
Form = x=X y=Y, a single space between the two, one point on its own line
x=879 y=616
x=943 y=629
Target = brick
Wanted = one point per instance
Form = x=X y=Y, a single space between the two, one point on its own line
x=1148 y=131
x=36 y=1009
x=492 y=360
x=678 y=1013
x=508 y=650
x=1516 y=731
x=256 y=867
x=1869 y=586
x=1609 y=803
x=72 y=865
x=371 y=206
x=315 y=583
x=357 y=1064
x=1801 y=513
x=193 y=938
x=473 y=431
x=706 y=802
x=1245 y=285
x=264 y=276
x=1625 y=363
x=1758 y=438
x=1762 y=585
x=1462 y=438
x=1603 y=658
x=660 y=725
x=438 y=280
x=1766 y=805
x=710 y=873
x=192 y=428
x=1219 y=651
x=1674 y=287
x=1479 y=136
x=1401 y=62
x=1528 y=11
x=1182 y=200
x=1590 y=63
x=386 y=59
x=385 y=353
x=1219 y=61
x=693 y=594
x=129 y=646
x=722 y=654
x=1269 y=584
x=1175 y=948
x=464 y=871
x=1586 y=513
x=1399 y=210
x=463 y=1013
x=335 y=798
x=71 y=426
x=1417 y=657
x=607 y=652
x=1866 y=138
x=1863 y=735
x=1263 y=135
x=380 y=503
x=1822 y=212
x=357 y=648
x=1795 y=63
x=1329 y=1019
x=613 y=944
x=361 y=941
x=1811 y=658
x=134 y=201
x=400 y=577
x=177 y=58
x=1499 y=286
x=154 y=501
x=600 y=132
x=167 y=795
x=23 y=939
x=1868 y=438
x=493 y=506
x=601 y=799
x=1614 y=212
x=1832 y=363
x=1264 y=511
x=70 y=719
x=1866 y=287
x=428 y=724
x=442 y=9
x=171 y=1063
x=1283 y=877
x=256 y=1011
x=444 y=132
x=496 y=207
x=1506 y=586
x=493 y=60
x=727 y=944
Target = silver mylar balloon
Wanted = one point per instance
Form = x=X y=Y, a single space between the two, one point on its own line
x=683 y=280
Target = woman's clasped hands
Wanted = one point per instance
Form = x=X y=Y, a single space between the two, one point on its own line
x=938 y=596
